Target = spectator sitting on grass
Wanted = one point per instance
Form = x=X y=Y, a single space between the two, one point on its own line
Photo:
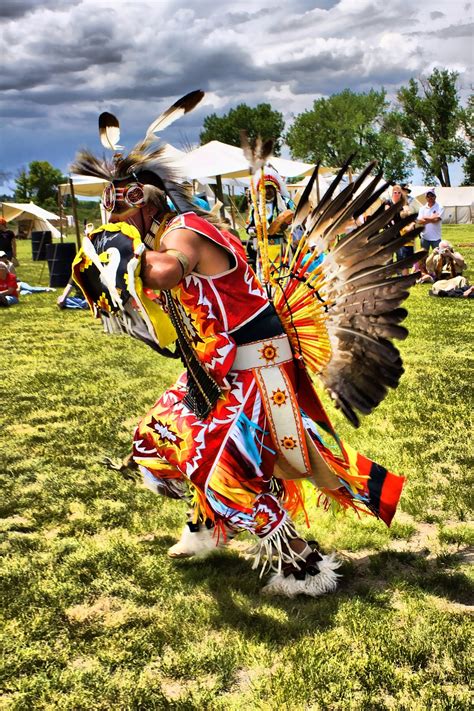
x=23 y=287
x=76 y=301
x=8 y=286
x=444 y=262
x=5 y=260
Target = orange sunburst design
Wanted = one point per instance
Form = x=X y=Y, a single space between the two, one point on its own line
x=261 y=518
x=102 y=303
x=269 y=352
x=279 y=397
x=289 y=442
x=301 y=304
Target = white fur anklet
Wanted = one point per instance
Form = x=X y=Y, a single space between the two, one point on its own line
x=198 y=544
x=314 y=585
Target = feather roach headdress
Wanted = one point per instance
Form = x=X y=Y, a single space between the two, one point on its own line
x=146 y=163
x=108 y=267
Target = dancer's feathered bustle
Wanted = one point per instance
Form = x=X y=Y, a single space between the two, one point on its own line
x=342 y=316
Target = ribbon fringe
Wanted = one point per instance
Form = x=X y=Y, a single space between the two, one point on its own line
x=274 y=551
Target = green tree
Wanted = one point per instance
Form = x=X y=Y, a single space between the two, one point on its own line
x=39 y=184
x=469 y=170
x=261 y=120
x=430 y=115
x=347 y=123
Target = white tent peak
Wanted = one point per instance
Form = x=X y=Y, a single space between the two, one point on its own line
x=10 y=210
x=41 y=217
x=217 y=158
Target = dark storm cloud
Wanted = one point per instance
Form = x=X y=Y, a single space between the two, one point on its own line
x=332 y=83
x=208 y=65
x=44 y=66
x=436 y=15
x=466 y=30
x=450 y=32
x=240 y=18
x=208 y=70
x=7 y=110
x=308 y=5
x=31 y=75
x=365 y=19
x=14 y=9
x=321 y=62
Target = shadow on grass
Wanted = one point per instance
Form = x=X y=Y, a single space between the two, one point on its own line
x=235 y=587
x=387 y=570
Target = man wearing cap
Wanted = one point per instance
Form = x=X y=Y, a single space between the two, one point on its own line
x=7 y=240
x=431 y=216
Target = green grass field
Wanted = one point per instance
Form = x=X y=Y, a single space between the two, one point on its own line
x=95 y=616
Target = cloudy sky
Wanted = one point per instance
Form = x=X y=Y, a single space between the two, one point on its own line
x=65 y=61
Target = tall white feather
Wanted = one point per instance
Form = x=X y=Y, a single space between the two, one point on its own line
x=179 y=108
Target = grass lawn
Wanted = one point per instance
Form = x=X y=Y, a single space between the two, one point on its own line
x=95 y=616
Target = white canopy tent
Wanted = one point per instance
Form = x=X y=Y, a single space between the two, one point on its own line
x=217 y=158
x=458 y=202
x=203 y=164
x=85 y=186
x=40 y=218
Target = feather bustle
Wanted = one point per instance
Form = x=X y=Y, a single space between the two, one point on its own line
x=359 y=286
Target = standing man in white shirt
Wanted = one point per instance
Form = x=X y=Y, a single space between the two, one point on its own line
x=431 y=216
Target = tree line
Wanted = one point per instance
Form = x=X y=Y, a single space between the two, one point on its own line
x=426 y=126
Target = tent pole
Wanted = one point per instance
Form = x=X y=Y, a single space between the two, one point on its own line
x=74 y=212
x=232 y=206
x=220 y=194
x=60 y=210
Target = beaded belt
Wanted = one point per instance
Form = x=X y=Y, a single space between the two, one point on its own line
x=262 y=354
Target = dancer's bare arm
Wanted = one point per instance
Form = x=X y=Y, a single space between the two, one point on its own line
x=181 y=252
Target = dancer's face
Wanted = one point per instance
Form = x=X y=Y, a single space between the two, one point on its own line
x=270 y=193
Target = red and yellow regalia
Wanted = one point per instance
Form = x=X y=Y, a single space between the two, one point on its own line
x=268 y=407
x=243 y=430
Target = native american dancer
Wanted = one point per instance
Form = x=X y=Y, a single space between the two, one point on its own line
x=242 y=430
x=270 y=202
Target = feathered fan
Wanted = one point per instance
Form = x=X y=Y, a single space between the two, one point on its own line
x=342 y=315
